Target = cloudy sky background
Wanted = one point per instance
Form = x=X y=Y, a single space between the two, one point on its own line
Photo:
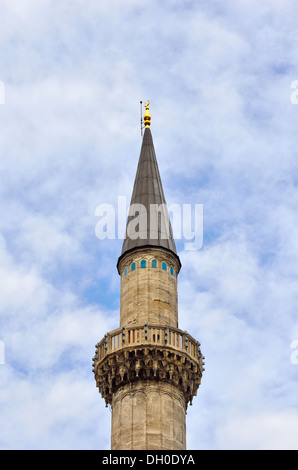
x=219 y=76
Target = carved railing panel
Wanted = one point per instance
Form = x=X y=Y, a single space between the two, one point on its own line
x=148 y=334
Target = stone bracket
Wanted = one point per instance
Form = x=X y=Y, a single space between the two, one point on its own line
x=158 y=363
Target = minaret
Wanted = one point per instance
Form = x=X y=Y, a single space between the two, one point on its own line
x=148 y=369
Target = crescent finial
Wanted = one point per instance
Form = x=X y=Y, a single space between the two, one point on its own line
x=147 y=117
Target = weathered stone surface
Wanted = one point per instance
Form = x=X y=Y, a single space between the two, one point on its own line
x=148 y=416
x=149 y=294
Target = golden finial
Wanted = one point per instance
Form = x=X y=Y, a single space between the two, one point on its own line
x=147 y=117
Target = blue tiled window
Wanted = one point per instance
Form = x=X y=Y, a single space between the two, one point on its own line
x=172 y=271
x=164 y=266
x=133 y=266
x=154 y=263
x=125 y=271
x=143 y=263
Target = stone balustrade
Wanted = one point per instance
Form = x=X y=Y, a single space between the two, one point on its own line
x=148 y=334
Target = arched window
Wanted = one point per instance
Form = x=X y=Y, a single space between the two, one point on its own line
x=133 y=266
x=154 y=263
x=164 y=266
x=143 y=263
x=125 y=271
x=172 y=271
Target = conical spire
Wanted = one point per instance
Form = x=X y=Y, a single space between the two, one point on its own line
x=151 y=226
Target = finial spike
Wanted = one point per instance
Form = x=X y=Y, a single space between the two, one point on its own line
x=141 y=102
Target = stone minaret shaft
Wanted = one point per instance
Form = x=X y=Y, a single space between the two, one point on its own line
x=148 y=369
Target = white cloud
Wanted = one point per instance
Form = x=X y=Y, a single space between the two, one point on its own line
x=19 y=286
x=265 y=430
x=218 y=77
x=52 y=411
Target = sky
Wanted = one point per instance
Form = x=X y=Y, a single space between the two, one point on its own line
x=224 y=123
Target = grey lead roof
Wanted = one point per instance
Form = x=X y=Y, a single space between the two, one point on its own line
x=150 y=226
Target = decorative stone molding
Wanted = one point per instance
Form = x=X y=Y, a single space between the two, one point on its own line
x=140 y=362
x=142 y=387
x=149 y=254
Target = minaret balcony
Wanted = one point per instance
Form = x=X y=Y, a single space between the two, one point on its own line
x=148 y=352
